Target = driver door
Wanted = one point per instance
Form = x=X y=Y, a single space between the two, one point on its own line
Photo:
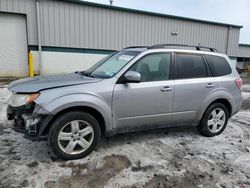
x=149 y=102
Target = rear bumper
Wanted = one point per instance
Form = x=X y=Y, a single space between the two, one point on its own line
x=30 y=124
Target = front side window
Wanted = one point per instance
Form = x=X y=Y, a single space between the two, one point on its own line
x=218 y=65
x=189 y=66
x=111 y=66
x=153 y=67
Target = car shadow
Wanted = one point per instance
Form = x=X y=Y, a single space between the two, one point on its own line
x=145 y=135
x=23 y=149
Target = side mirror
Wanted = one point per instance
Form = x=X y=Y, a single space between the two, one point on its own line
x=132 y=76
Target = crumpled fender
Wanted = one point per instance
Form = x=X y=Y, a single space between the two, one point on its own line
x=77 y=99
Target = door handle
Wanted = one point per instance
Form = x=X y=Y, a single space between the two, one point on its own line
x=166 y=88
x=209 y=85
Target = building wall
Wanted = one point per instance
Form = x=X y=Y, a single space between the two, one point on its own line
x=75 y=25
x=13 y=45
x=233 y=42
x=64 y=62
x=27 y=7
x=67 y=24
x=244 y=51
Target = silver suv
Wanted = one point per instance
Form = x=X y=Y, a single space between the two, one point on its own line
x=134 y=89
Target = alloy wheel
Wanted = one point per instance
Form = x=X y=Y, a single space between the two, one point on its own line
x=75 y=137
x=216 y=120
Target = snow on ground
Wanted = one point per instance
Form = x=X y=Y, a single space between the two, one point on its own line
x=173 y=157
x=246 y=95
x=246 y=88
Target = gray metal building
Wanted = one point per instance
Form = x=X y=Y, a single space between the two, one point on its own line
x=69 y=35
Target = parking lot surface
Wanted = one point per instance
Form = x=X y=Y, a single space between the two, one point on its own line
x=173 y=157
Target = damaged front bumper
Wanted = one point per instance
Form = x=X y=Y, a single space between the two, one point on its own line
x=26 y=121
x=31 y=123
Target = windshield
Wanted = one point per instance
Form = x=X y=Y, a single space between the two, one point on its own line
x=111 y=65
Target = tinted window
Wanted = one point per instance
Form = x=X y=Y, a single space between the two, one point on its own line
x=189 y=66
x=219 y=65
x=153 y=67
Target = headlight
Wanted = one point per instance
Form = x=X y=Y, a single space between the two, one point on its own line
x=17 y=100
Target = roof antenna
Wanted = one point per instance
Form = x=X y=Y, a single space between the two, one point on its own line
x=111 y=2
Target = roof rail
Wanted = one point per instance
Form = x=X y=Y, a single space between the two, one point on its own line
x=182 y=45
x=136 y=47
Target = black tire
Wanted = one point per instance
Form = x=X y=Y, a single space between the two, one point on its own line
x=203 y=126
x=63 y=120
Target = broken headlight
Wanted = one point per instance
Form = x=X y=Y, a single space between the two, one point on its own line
x=17 y=100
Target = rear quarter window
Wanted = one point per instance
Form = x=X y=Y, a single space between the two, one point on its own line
x=219 y=65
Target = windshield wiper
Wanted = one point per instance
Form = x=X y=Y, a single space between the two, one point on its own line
x=85 y=73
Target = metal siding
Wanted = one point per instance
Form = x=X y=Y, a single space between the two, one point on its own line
x=57 y=20
x=244 y=51
x=66 y=24
x=13 y=46
x=88 y=34
x=23 y=7
x=233 y=46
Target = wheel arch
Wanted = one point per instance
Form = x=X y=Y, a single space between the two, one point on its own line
x=98 y=115
x=223 y=101
x=87 y=102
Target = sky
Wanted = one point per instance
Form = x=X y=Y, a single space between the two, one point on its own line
x=235 y=12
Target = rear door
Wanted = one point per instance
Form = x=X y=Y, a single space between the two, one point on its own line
x=193 y=83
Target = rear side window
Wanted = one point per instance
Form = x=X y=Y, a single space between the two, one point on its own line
x=189 y=66
x=219 y=65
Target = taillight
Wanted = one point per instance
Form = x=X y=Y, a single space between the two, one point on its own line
x=238 y=82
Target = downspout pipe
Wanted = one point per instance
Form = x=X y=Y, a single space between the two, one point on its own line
x=39 y=35
x=227 y=42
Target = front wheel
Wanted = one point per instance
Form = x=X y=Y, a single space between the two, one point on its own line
x=214 y=120
x=74 y=135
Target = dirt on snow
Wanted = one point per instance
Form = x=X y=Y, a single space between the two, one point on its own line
x=173 y=157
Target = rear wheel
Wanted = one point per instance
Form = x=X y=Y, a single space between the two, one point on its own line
x=74 y=135
x=214 y=120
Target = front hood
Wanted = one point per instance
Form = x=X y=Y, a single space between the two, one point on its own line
x=31 y=85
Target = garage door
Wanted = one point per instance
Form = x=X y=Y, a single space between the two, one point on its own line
x=13 y=46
